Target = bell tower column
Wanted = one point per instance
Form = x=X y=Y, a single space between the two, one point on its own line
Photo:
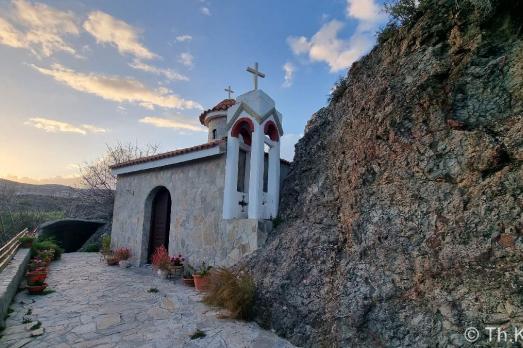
x=273 y=185
x=231 y=177
x=256 y=175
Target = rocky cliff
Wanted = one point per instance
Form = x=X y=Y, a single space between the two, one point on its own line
x=402 y=213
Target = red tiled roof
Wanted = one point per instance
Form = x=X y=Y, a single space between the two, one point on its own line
x=221 y=106
x=169 y=154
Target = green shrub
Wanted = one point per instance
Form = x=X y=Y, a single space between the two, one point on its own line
x=387 y=32
x=232 y=290
x=92 y=248
x=106 y=244
x=14 y=222
x=404 y=11
x=45 y=244
x=339 y=89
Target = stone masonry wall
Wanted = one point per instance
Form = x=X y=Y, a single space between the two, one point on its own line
x=196 y=229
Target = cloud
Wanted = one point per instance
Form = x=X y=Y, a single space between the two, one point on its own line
x=110 y=30
x=288 y=141
x=10 y=36
x=161 y=122
x=53 y=126
x=325 y=46
x=183 y=38
x=118 y=89
x=338 y=53
x=205 y=11
x=364 y=10
x=186 y=59
x=289 y=70
x=168 y=73
x=93 y=129
x=38 y=28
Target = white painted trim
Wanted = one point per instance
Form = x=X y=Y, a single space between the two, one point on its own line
x=270 y=142
x=185 y=157
x=215 y=114
x=231 y=178
x=244 y=147
x=256 y=173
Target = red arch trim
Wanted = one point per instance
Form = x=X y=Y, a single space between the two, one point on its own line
x=271 y=130
x=245 y=127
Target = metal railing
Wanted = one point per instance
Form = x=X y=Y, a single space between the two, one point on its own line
x=9 y=249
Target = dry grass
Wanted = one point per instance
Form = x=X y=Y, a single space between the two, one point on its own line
x=231 y=290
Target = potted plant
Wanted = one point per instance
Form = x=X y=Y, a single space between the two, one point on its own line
x=123 y=255
x=187 y=276
x=177 y=265
x=161 y=262
x=37 y=264
x=111 y=259
x=201 y=277
x=37 y=287
x=46 y=255
x=26 y=241
x=36 y=275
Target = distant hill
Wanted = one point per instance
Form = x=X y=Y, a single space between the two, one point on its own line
x=49 y=190
x=21 y=197
x=71 y=202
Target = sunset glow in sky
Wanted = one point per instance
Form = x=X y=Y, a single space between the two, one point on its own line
x=77 y=75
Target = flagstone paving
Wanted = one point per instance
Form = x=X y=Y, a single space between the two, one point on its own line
x=95 y=305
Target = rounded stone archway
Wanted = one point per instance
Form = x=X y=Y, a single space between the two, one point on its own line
x=157 y=221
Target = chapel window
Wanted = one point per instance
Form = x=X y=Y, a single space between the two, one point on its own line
x=242 y=162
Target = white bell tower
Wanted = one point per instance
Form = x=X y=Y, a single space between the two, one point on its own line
x=253 y=123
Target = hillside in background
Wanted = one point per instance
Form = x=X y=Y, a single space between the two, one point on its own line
x=28 y=205
x=50 y=190
x=401 y=215
x=20 y=197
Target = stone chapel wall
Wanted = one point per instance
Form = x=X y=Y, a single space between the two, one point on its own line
x=196 y=230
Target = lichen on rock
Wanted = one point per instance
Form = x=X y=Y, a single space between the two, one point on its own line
x=402 y=213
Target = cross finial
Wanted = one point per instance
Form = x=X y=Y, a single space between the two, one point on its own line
x=229 y=91
x=255 y=72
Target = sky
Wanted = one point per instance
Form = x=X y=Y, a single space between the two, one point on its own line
x=78 y=75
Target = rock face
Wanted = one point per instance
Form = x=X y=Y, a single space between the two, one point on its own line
x=402 y=212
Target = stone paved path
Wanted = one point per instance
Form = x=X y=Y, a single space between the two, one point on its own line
x=95 y=305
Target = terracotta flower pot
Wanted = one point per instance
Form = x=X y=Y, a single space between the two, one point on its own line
x=189 y=282
x=201 y=283
x=112 y=261
x=35 y=276
x=36 y=289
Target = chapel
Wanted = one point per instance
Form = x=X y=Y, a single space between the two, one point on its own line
x=213 y=202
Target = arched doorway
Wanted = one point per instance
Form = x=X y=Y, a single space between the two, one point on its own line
x=160 y=221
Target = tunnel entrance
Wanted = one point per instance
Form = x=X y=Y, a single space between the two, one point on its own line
x=71 y=234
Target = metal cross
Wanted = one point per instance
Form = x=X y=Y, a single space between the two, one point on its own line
x=255 y=72
x=243 y=204
x=229 y=91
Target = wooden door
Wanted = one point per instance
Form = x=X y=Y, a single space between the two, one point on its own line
x=160 y=221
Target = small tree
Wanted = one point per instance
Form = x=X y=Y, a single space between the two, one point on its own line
x=98 y=180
